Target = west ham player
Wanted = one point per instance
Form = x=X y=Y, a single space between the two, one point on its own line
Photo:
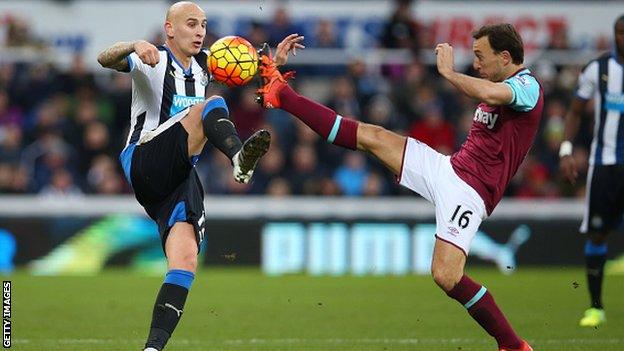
x=171 y=120
x=602 y=80
x=464 y=187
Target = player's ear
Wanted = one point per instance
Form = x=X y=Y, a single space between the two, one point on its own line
x=168 y=29
x=506 y=56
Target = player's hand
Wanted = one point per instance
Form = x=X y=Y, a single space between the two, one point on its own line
x=290 y=44
x=444 y=54
x=568 y=168
x=147 y=52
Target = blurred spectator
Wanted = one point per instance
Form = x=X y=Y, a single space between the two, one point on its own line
x=271 y=166
x=401 y=30
x=18 y=34
x=103 y=177
x=533 y=180
x=343 y=99
x=61 y=185
x=559 y=40
x=325 y=35
x=281 y=26
x=257 y=34
x=434 y=131
x=79 y=76
x=95 y=142
x=278 y=187
x=9 y=114
x=247 y=115
x=352 y=175
x=10 y=143
x=7 y=75
x=380 y=111
x=366 y=85
x=304 y=171
x=375 y=185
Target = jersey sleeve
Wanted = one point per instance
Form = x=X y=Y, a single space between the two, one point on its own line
x=135 y=64
x=587 y=81
x=525 y=92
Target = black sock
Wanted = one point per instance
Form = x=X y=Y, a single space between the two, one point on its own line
x=595 y=272
x=595 y=258
x=167 y=312
x=218 y=128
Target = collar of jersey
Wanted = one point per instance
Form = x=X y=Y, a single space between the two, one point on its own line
x=522 y=70
x=614 y=54
x=188 y=72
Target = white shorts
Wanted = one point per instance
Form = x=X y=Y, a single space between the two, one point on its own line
x=459 y=208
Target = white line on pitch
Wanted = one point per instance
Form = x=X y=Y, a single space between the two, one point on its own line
x=320 y=341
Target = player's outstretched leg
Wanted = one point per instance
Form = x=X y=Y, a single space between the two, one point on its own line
x=595 y=258
x=447 y=270
x=220 y=131
x=275 y=93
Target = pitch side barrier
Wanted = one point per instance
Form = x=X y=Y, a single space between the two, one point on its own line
x=268 y=208
x=323 y=236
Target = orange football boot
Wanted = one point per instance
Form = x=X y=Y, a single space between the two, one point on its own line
x=272 y=82
x=524 y=347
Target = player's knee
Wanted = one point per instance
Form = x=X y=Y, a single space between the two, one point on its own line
x=444 y=277
x=194 y=116
x=185 y=260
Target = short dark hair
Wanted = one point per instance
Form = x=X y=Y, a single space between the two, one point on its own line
x=618 y=20
x=503 y=36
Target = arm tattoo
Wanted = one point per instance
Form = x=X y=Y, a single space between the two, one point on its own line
x=115 y=56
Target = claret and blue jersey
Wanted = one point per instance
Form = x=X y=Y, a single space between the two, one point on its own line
x=500 y=138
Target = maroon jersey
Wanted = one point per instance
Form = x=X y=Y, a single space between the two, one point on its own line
x=499 y=140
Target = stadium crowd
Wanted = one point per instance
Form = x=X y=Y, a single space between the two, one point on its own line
x=61 y=130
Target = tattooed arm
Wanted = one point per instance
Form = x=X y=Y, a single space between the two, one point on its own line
x=115 y=57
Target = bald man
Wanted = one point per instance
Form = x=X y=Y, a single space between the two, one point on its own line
x=171 y=120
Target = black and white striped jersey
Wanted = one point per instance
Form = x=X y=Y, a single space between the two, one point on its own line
x=603 y=80
x=161 y=94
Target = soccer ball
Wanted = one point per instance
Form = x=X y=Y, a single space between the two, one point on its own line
x=233 y=61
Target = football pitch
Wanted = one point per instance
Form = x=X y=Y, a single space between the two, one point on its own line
x=241 y=309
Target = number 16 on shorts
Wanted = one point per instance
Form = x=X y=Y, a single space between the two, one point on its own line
x=459 y=226
x=464 y=217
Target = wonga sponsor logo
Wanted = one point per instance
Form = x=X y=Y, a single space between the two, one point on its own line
x=180 y=102
x=614 y=102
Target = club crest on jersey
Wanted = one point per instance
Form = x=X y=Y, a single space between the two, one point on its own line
x=203 y=80
x=487 y=118
x=180 y=102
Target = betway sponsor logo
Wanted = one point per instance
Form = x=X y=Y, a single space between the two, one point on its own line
x=180 y=102
x=487 y=118
x=614 y=102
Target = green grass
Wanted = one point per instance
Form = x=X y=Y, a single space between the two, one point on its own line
x=240 y=309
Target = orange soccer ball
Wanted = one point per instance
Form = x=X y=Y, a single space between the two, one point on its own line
x=233 y=61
